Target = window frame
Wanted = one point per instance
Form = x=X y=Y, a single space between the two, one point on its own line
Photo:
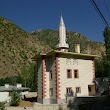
x=69 y=73
x=78 y=90
x=89 y=89
x=51 y=92
x=50 y=75
x=67 y=91
x=76 y=73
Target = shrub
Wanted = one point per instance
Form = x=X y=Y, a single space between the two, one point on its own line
x=2 y=107
x=15 y=99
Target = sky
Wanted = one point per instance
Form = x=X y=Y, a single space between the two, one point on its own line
x=78 y=15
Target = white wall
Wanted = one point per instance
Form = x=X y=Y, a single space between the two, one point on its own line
x=24 y=93
x=86 y=72
x=4 y=96
x=50 y=83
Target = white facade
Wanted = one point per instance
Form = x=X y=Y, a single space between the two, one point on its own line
x=85 y=75
x=58 y=82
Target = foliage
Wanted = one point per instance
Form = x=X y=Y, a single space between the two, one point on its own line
x=12 y=80
x=107 y=42
x=103 y=64
x=50 y=37
x=15 y=99
x=101 y=67
x=2 y=107
x=107 y=46
x=28 y=74
x=27 y=78
x=17 y=47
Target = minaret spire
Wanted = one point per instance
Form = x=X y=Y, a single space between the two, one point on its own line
x=62 y=36
x=61 y=21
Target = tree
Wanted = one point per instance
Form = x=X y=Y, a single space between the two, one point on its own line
x=107 y=42
x=103 y=64
x=107 y=47
x=15 y=99
x=102 y=68
x=29 y=76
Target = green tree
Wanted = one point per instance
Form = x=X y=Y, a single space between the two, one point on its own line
x=29 y=76
x=101 y=67
x=15 y=99
x=107 y=42
x=103 y=64
x=107 y=46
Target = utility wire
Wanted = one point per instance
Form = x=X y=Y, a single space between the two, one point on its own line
x=107 y=8
x=99 y=12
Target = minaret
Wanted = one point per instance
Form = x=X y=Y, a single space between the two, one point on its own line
x=62 y=46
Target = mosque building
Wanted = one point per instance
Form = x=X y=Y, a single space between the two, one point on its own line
x=62 y=73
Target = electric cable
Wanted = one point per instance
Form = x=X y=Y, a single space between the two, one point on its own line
x=99 y=12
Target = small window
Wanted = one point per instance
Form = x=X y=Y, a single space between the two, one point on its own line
x=78 y=90
x=76 y=74
x=50 y=75
x=69 y=73
x=68 y=90
x=89 y=88
x=51 y=91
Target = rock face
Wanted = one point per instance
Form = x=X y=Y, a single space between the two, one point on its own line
x=17 y=46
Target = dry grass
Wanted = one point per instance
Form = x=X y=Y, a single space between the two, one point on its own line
x=25 y=104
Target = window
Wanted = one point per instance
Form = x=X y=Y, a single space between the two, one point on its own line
x=89 y=88
x=50 y=75
x=76 y=74
x=69 y=73
x=68 y=90
x=51 y=91
x=78 y=90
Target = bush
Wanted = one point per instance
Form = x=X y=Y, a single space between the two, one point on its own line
x=2 y=107
x=15 y=99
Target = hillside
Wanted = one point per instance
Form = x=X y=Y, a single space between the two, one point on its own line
x=50 y=37
x=17 y=46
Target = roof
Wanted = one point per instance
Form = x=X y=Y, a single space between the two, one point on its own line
x=65 y=53
x=31 y=94
x=12 y=88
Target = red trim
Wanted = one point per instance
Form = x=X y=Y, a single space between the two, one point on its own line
x=57 y=77
x=43 y=78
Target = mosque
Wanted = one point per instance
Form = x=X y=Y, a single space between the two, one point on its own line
x=63 y=74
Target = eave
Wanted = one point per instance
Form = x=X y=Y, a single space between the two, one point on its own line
x=87 y=56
